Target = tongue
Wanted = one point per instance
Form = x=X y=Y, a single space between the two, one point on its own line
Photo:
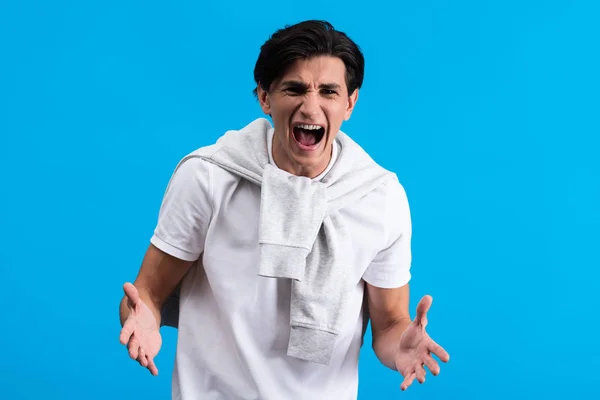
x=306 y=138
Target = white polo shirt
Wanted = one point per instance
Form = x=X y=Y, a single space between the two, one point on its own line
x=234 y=324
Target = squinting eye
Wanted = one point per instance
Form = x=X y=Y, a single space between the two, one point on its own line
x=329 y=92
x=293 y=90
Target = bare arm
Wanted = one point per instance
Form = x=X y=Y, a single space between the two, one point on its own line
x=158 y=277
x=389 y=312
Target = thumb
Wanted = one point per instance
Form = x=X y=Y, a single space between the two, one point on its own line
x=422 y=309
x=132 y=294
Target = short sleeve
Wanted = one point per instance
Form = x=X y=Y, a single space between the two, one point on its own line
x=390 y=268
x=186 y=210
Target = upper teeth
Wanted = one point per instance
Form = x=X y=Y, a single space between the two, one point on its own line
x=311 y=127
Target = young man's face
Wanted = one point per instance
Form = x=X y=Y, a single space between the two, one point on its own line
x=308 y=105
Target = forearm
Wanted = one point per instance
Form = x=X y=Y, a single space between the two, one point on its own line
x=153 y=305
x=386 y=342
x=158 y=278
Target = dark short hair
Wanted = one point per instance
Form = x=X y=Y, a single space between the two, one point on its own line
x=305 y=40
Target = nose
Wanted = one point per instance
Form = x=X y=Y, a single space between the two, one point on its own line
x=310 y=105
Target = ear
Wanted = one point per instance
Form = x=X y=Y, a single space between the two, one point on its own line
x=263 y=98
x=352 y=99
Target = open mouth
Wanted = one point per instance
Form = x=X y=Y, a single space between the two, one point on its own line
x=308 y=137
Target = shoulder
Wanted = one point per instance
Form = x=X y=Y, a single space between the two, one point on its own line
x=192 y=169
x=394 y=191
x=197 y=170
x=390 y=193
x=388 y=207
x=396 y=200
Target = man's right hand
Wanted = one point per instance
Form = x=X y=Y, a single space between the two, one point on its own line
x=140 y=330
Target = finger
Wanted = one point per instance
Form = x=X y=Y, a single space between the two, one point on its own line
x=422 y=309
x=432 y=365
x=408 y=380
x=142 y=358
x=439 y=351
x=132 y=293
x=420 y=373
x=127 y=331
x=152 y=366
x=134 y=348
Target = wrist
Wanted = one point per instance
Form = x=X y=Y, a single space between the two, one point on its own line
x=387 y=343
x=153 y=305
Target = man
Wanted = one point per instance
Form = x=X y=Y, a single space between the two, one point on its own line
x=281 y=239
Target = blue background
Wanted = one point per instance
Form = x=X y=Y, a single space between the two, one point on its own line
x=488 y=111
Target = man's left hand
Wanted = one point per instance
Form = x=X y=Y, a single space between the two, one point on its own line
x=416 y=348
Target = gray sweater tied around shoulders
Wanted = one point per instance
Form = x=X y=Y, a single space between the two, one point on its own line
x=302 y=235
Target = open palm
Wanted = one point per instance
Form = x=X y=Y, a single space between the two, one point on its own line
x=140 y=331
x=416 y=348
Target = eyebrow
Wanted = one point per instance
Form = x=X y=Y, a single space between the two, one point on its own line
x=299 y=84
